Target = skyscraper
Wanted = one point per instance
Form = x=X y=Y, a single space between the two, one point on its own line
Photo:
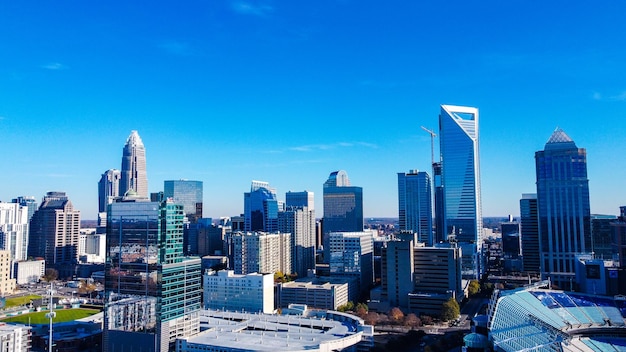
x=460 y=172
x=14 y=230
x=133 y=174
x=343 y=204
x=414 y=205
x=152 y=292
x=260 y=208
x=108 y=188
x=529 y=232
x=564 y=210
x=54 y=233
x=188 y=193
x=440 y=229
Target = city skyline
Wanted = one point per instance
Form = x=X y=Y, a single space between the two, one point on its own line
x=234 y=91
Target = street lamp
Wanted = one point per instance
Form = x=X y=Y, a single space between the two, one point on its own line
x=51 y=314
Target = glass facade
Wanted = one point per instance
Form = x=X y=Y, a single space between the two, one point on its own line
x=563 y=205
x=529 y=231
x=460 y=172
x=188 y=193
x=260 y=208
x=414 y=205
x=343 y=204
x=148 y=282
x=133 y=174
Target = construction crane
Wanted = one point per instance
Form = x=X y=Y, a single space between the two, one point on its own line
x=432 y=144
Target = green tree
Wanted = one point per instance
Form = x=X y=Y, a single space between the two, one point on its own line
x=50 y=275
x=450 y=310
x=473 y=288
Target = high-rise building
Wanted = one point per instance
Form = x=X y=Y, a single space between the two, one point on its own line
x=529 y=232
x=414 y=205
x=7 y=283
x=133 y=173
x=152 y=292
x=602 y=235
x=54 y=233
x=397 y=262
x=188 y=193
x=343 y=204
x=564 y=210
x=510 y=239
x=261 y=252
x=260 y=208
x=108 y=188
x=352 y=254
x=27 y=201
x=226 y=290
x=460 y=172
x=298 y=218
x=440 y=230
x=14 y=230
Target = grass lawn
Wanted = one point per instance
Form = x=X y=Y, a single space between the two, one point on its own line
x=62 y=316
x=20 y=301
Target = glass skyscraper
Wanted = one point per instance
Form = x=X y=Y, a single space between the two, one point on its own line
x=529 y=232
x=564 y=210
x=415 y=205
x=152 y=292
x=460 y=172
x=260 y=208
x=108 y=188
x=343 y=204
x=133 y=173
x=188 y=193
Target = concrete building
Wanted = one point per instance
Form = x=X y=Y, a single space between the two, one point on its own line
x=352 y=254
x=15 y=338
x=133 y=174
x=29 y=271
x=299 y=221
x=312 y=292
x=261 y=252
x=397 y=263
x=54 y=233
x=14 y=229
x=226 y=290
x=7 y=283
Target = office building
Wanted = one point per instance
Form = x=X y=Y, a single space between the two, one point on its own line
x=54 y=233
x=529 y=232
x=29 y=271
x=602 y=235
x=299 y=220
x=352 y=254
x=108 y=188
x=251 y=292
x=14 y=229
x=93 y=248
x=29 y=202
x=511 y=244
x=188 y=193
x=397 y=262
x=563 y=205
x=152 y=292
x=261 y=252
x=260 y=208
x=460 y=172
x=343 y=204
x=7 y=283
x=133 y=172
x=414 y=205
x=312 y=292
x=440 y=230
x=619 y=237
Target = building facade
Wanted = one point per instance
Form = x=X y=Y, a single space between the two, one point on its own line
x=133 y=172
x=226 y=290
x=320 y=295
x=14 y=229
x=29 y=271
x=602 y=236
x=108 y=188
x=415 y=206
x=54 y=233
x=260 y=208
x=261 y=252
x=460 y=172
x=188 y=193
x=563 y=206
x=299 y=221
x=152 y=292
x=352 y=254
x=7 y=283
x=529 y=232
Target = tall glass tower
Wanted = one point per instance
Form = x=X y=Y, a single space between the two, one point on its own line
x=563 y=206
x=152 y=292
x=133 y=174
x=188 y=193
x=460 y=172
x=260 y=208
x=108 y=188
x=414 y=205
x=529 y=232
x=343 y=204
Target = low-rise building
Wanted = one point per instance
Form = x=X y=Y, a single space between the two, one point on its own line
x=229 y=291
x=321 y=295
x=29 y=271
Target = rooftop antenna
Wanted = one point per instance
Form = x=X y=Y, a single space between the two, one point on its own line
x=432 y=144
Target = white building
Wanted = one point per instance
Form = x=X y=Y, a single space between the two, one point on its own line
x=229 y=291
x=15 y=338
x=29 y=271
x=92 y=247
x=352 y=254
x=14 y=229
x=261 y=252
x=320 y=295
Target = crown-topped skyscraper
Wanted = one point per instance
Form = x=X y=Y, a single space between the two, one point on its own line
x=134 y=175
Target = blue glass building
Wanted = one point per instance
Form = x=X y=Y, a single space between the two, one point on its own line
x=460 y=172
x=188 y=193
x=343 y=204
x=563 y=206
x=152 y=292
x=529 y=232
x=260 y=208
x=415 y=205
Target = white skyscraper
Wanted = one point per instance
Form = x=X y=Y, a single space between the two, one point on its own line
x=133 y=174
x=14 y=230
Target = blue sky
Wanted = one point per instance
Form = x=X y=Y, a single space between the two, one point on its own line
x=286 y=92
